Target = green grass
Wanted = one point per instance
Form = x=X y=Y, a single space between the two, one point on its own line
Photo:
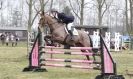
x=14 y=59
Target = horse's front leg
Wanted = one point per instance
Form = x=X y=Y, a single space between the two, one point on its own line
x=48 y=40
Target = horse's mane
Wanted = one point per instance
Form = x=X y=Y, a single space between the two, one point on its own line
x=56 y=20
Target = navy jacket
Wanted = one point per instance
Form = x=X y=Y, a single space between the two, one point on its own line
x=65 y=18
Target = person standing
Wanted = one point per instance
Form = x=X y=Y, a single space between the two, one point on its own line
x=16 y=39
x=7 y=39
x=2 y=36
x=12 y=39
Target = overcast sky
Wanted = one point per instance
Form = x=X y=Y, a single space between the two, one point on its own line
x=17 y=5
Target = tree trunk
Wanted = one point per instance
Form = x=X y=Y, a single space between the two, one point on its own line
x=126 y=15
x=51 y=5
x=30 y=15
x=131 y=17
x=129 y=23
x=99 y=15
x=42 y=5
x=82 y=13
x=1 y=3
x=100 y=5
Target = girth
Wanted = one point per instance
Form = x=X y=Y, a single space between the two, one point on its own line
x=64 y=42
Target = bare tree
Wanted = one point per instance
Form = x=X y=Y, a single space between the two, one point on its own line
x=129 y=21
x=1 y=15
x=16 y=16
x=131 y=16
x=42 y=5
x=81 y=4
x=82 y=12
x=30 y=6
x=1 y=4
x=51 y=4
x=102 y=6
x=126 y=15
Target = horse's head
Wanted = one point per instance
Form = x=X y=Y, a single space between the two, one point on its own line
x=46 y=20
x=42 y=21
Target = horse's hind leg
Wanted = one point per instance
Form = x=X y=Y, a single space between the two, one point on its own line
x=90 y=50
x=87 y=43
x=81 y=45
x=88 y=58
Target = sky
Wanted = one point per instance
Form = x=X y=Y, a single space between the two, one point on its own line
x=15 y=5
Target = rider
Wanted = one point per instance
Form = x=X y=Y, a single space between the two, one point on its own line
x=64 y=18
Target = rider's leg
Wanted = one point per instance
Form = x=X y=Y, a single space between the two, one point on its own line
x=69 y=27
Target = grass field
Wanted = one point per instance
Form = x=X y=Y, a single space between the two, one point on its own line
x=14 y=59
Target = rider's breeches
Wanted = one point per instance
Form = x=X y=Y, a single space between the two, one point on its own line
x=69 y=26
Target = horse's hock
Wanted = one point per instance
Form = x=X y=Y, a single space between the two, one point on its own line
x=106 y=64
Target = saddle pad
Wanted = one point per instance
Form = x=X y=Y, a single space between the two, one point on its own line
x=75 y=32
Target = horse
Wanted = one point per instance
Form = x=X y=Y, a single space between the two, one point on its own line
x=60 y=35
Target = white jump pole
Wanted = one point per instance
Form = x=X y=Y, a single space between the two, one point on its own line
x=107 y=40
x=96 y=39
x=117 y=41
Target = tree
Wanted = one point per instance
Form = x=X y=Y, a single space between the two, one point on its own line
x=1 y=15
x=102 y=6
x=30 y=6
x=82 y=12
x=126 y=15
x=81 y=5
x=51 y=4
x=129 y=21
x=1 y=4
x=16 y=16
x=42 y=5
x=131 y=16
x=67 y=10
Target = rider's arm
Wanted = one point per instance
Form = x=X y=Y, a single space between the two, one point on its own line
x=61 y=16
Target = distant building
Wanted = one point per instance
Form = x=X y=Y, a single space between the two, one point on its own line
x=21 y=31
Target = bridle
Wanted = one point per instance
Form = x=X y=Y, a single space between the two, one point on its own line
x=52 y=18
x=53 y=22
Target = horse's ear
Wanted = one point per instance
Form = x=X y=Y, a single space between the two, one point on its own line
x=41 y=13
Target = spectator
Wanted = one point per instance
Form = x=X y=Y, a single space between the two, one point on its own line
x=7 y=39
x=2 y=36
x=16 y=39
x=12 y=39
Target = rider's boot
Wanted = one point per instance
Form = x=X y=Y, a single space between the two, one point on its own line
x=71 y=35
